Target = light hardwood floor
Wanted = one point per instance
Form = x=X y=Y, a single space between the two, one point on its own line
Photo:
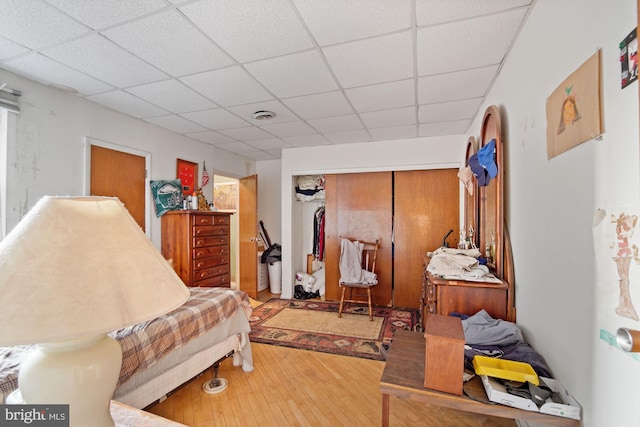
x=291 y=387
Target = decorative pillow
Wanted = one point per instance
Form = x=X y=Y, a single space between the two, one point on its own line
x=167 y=196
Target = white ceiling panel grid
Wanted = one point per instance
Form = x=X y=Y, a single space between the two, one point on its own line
x=331 y=71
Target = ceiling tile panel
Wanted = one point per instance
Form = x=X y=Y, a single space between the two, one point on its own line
x=269 y=144
x=449 y=111
x=104 y=60
x=337 y=124
x=9 y=48
x=263 y=155
x=389 y=118
x=47 y=71
x=398 y=132
x=430 y=12
x=307 y=140
x=444 y=128
x=176 y=124
x=458 y=85
x=236 y=147
x=383 y=96
x=289 y=129
x=292 y=75
x=348 y=137
x=319 y=105
x=127 y=103
x=169 y=42
x=283 y=114
x=36 y=24
x=378 y=60
x=173 y=96
x=210 y=137
x=228 y=86
x=215 y=119
x=466 y=44
x=250 y=133
x=337 y=21
x=250 y=30
x=98 y=14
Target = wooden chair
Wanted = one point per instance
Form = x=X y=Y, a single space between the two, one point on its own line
x=368 y=263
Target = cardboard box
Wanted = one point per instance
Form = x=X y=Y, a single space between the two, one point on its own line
x=570 y=408
x=444 y=355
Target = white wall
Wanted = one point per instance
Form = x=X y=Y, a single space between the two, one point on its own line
x=269 y=195
x=550 y=203
x=47 y=156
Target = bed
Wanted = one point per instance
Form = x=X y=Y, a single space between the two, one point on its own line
x=160 y=355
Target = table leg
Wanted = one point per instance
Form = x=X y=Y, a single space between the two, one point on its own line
x=385 y=410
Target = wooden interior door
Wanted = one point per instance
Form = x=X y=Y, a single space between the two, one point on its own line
x=247 y=236
x=426 y=207
x=358 y=205
x=122 y=175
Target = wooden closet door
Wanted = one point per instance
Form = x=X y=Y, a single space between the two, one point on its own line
x=426 y=207
x=359 y=205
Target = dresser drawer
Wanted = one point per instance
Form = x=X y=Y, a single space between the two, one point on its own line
x=210 y=230
x=223 y=281
x=207 y=278
x=210 y=251
x=210 y=220
x=200 y=263
x=203 y=242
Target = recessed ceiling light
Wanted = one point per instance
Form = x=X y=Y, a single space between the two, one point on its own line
x=264 y=115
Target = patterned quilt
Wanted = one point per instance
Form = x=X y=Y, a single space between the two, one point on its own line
x=146 y=343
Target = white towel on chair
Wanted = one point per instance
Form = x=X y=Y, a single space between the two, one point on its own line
x=351 y=270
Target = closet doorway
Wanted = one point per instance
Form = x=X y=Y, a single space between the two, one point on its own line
x=224 y=194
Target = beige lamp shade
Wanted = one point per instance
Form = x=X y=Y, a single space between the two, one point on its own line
x=79 y=266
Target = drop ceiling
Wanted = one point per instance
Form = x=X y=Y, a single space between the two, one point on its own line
x=332 y=71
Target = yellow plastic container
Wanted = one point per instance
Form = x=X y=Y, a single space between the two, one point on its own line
x=505 y=369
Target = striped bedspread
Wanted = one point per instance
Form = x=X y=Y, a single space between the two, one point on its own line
x=146 y=343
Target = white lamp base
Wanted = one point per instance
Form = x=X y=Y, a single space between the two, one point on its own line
x=82 y=373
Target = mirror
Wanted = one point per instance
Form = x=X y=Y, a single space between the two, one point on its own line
x=470 y=214
x=490 y=197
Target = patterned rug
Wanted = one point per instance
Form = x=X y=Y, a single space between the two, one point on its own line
x=314 y=325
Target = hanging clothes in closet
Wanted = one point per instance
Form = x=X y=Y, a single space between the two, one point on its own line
x=318 y=234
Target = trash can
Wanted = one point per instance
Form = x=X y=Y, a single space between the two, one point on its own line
x=273 y=257
x=275 y=277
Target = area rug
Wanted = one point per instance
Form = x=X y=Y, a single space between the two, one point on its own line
x=314 y=325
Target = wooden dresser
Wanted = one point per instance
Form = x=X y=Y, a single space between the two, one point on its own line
x=198 y=244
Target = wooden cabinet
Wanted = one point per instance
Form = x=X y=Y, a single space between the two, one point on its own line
x=442 y=296
x=197 y=243
x=409 y=211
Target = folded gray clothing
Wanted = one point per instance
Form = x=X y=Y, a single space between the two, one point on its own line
x=482 y=329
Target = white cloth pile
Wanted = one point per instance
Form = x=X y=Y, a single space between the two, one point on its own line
x=460 y=263
x=351 y=270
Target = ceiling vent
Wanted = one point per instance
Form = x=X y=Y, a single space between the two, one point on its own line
x=264 y=115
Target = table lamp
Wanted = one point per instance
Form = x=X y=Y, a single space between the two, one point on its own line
x=72 y=270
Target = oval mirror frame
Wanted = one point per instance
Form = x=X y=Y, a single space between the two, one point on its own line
x=490 y=197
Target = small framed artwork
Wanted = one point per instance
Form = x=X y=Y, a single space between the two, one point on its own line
x=187 y=173
x=574 y=109
x=629 y=59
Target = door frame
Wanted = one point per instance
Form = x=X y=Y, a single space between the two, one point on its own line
x=89 y=141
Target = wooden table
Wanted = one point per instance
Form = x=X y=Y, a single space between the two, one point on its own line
x=403 y=376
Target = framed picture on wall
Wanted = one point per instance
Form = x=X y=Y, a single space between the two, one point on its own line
x=187 y=173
